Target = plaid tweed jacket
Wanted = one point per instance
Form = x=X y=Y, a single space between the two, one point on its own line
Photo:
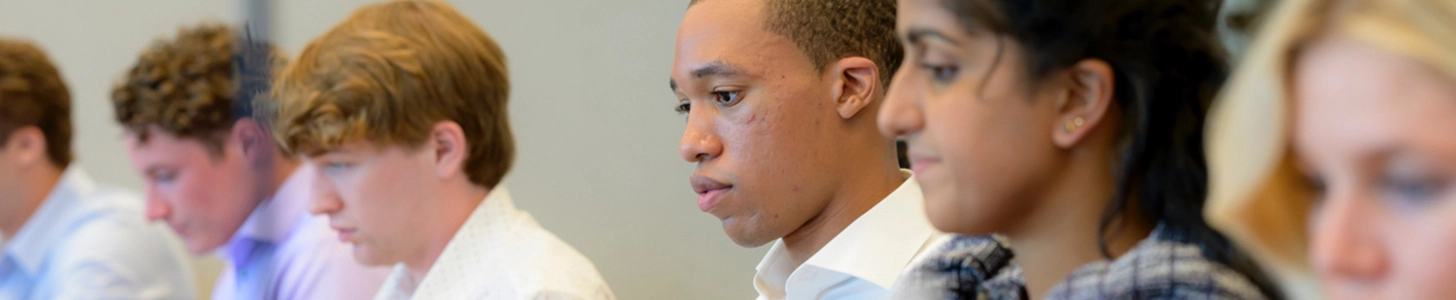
x=978 y=267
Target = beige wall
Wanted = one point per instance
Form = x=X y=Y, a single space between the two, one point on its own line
x=597 y=136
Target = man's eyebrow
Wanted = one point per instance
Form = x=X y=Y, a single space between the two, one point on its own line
x=717 y=68
x=714 y=68
x=151 y=171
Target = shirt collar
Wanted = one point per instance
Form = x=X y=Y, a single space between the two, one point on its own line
x=275 y=218
x=876 y=247
x=486 y=226
x=30 y=246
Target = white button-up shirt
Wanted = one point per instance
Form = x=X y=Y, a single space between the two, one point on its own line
x=501 y=253
x=861 y=262
x=281 y=252
x=87 y=242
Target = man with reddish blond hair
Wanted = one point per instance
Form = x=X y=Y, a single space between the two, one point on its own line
x=402 y=108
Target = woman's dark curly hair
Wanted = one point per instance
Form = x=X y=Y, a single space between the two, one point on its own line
x=1168 y=65
x=184 y=86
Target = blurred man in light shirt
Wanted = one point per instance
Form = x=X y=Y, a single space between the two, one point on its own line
x=61 y=235
x=218 y=178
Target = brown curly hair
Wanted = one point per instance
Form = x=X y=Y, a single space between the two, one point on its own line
x=184 y=87
x=33 y=94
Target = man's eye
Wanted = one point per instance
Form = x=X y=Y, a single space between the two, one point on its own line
x=684 y=107
x=335 y=168
x=164 y=177
x=725 y=97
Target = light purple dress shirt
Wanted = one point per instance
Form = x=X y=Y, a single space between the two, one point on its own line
x=282 y=252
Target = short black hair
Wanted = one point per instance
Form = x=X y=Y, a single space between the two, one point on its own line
x=1168 y=66
x=829 y=30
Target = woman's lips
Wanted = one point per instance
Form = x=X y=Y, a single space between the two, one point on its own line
x=920 y=165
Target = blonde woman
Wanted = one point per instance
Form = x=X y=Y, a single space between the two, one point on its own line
x=1333 y=150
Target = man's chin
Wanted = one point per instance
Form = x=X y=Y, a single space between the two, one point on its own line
x=743 y=234
x=201 y=248
x=365 y=257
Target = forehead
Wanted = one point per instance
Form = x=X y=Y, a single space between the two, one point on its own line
x=359 y=149
x=1352 y=92
x=731 y=32
x=922 y=14
x=162 y=146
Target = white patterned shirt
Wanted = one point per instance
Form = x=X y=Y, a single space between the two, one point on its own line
x=501 y=253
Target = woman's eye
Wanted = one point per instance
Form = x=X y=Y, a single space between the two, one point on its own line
x=1315 y=185
x=725 y=97
x=941 y=73
x=1411 y=191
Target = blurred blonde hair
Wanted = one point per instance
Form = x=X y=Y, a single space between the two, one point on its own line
x=1256 y=195
x=387 y=75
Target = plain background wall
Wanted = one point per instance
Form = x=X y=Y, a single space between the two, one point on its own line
x=596 y=132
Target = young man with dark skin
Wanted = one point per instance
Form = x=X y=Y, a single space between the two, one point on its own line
x=781 y=99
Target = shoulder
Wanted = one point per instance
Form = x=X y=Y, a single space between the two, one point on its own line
x=543 y=266
x=110 y=248
x=111 y=226
x=1159 y=269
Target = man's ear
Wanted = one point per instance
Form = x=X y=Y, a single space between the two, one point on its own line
x=1084 y=101
x=27 y=145
x=253 y=140
x=857 y=82
x=447 y=142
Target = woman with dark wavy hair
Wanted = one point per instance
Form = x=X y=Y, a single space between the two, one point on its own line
x=1073 y=128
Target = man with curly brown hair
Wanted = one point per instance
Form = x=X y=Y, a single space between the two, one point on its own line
x=217 y=177
x=61 y=235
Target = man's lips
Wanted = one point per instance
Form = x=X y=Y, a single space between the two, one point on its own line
x=177 y=228
x=345 y=234
x=710 y=191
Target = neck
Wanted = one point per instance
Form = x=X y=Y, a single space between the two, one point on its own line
x=32 y=191
x=1062 y=234
x=282 y=169
x=456 y=205
x=868 y=184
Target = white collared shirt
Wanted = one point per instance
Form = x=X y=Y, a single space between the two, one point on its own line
x=281 y=252
x=501 y=253
x=90 y=242
x=861 y=262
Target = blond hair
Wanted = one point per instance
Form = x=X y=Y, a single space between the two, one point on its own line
x=387 y=74
x=1256 y=193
